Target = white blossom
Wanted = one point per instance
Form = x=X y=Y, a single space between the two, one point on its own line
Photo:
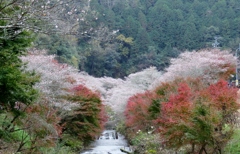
x=207 y=64
x=55 y=78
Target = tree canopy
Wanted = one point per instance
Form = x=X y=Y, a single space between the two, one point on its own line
x=159 y=30
x=188 y=109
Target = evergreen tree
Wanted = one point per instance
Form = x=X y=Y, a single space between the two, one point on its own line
x=16 y=84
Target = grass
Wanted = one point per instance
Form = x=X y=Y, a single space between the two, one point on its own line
x=233 y=147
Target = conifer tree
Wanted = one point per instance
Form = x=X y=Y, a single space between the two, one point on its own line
x=16 y=84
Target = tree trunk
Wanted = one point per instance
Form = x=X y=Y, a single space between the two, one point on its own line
x=203 y=149
x=193 y=148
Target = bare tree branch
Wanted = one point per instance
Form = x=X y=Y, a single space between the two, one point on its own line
x=40 y=16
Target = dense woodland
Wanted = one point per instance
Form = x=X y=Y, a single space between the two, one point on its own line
x=116 y=38
x=48 y=106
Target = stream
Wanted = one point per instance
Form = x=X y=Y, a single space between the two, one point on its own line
x=110 y=142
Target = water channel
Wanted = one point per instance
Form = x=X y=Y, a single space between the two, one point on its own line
x=110 y=142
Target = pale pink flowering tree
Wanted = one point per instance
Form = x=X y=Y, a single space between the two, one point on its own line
x=80 y=109
x=208 y=64
x=56 y=78
x=118 y=95
x=115 y=92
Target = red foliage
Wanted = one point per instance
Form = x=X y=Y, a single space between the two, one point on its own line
x=183 y=94
x=137 y=114
x=84 y=92
x=189 y=112
x=179 y=104
x=43 y=121
x=203 y=110
x=223 y=97
x=87 y=118
x=102 y=117
x=176 y=111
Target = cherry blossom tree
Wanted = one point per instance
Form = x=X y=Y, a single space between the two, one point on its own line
x=55 y=78
x=80 y=108
x=209 y=64
x=114 y=92
x=118 y=95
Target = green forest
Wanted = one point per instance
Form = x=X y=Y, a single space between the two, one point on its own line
x=116 y=38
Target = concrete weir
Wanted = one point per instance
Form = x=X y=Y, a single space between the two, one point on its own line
x=110 y=142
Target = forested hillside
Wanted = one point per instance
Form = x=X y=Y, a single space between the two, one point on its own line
x=118 y=37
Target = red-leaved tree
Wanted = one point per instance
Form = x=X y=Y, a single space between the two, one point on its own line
x=186 y=112
x=191 y=104
x=87 y=118
x=137 y=112
x=198 y=117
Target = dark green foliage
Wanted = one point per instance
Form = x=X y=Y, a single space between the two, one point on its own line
x=73 y=142
x=16 y=84
x=64 y=48
x=159 y=28
x=154 y=109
